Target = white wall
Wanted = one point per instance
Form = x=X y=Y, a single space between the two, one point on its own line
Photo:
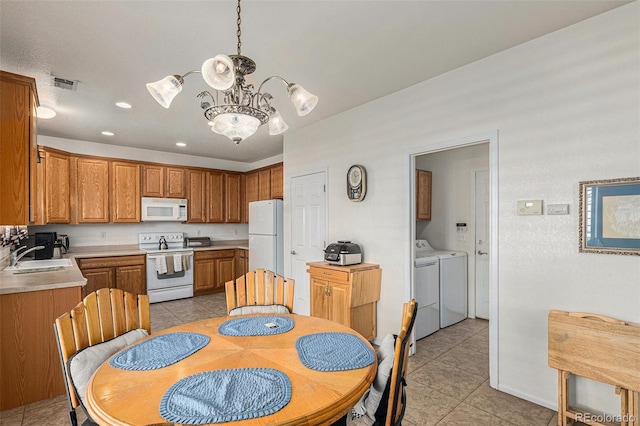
x=567 y=109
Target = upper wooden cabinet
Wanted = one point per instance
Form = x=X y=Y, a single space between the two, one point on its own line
x=215 y=201
x=262 y=184
x=18 y=151
x=277 y=189
x=196 y=196
x=152 y=181
x=56 y=187
x=125 y=192
x=423 y=195
x=93 y=190
x=163 y=182
x=232 y=198
x=175 y=182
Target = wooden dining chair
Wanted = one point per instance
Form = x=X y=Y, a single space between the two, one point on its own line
x=103 y=323
x=259 y=291
x=397 y=396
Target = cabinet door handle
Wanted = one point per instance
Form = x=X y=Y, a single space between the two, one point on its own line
x=293 y=252
x=327 y=291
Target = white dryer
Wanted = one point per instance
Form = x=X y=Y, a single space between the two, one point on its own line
x=453 y=286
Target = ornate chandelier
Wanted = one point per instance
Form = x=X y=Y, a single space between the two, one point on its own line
x=235 y=110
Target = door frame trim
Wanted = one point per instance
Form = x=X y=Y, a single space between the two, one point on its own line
x=410 y=225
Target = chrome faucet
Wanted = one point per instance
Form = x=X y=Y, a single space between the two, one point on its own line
x=15 y=257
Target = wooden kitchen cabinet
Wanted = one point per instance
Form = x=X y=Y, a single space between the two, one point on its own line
x=423 y=195
x=277 y=187
x=29 y=359
x=18 y=150
x=152 y=181
x=212 y=269
x=197 y=196
x=264 y=184
x=175 y=182
x=346 y=294
x=92 y=190
x=232 y=198
x=242 y=262
x=56 y=187
x=125 y=192
x=215 y=197
x=163 y=181
x=127 y=273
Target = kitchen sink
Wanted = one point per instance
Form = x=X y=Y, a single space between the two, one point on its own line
x=28 y=266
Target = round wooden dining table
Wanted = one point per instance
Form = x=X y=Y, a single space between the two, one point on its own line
x=124 y=397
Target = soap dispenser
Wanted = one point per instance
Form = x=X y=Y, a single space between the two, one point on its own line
x=162 y=244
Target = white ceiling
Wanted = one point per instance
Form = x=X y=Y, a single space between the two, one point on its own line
x=346 y=52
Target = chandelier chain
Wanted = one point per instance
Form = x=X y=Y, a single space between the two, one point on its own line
x=239 y=32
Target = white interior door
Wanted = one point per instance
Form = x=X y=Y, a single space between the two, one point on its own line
x=482 y=247
x=308 y=232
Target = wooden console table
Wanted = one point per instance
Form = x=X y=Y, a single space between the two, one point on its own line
x=599 y=348
x=346 y=294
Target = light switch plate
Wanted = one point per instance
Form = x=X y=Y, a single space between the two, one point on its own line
x=529 y=207
x=558 y=209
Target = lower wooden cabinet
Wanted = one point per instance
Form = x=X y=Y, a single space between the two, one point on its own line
x=29 y=359
x=242 y=262
x=346 y=294
x=127 y=273
x=212 y=269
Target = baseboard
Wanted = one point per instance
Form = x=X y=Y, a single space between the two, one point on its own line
x=551 y=405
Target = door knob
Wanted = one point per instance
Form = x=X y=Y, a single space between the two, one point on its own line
x=293 y=252
x=482 y=252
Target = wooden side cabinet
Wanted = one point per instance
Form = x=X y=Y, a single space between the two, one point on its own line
x=423 y=195
x=19 y=99
x=346 y=294
x=127 y=273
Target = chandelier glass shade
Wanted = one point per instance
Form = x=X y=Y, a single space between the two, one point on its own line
x=234 y=109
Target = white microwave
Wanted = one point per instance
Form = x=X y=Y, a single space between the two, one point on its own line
x=164 y=209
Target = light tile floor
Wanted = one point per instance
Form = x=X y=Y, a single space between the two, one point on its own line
x=448 y=377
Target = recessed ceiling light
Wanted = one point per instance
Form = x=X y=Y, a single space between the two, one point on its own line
x=108 y=133
x=123 y=105
x=44 y=112
x=181 y=144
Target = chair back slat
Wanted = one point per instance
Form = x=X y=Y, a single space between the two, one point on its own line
x=279 y=291
x=258 y=288
x=396 y=407
x=130 y=312
x=104 y=314
x=269 y=289
x=249 y=289
x=92 y=318
x=259 y=277
x=101 y=316
x=79 y=323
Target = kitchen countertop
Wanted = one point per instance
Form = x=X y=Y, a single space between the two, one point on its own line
x=72 y=276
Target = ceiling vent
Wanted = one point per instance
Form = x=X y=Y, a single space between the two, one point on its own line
x=65 y=84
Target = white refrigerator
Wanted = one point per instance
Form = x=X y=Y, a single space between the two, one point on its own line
x=266 y=245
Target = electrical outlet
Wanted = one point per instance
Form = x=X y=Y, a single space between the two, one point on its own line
x=198 y=233
x=103 y=235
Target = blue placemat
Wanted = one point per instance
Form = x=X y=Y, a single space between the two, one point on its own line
x=333 y=351
x=256 y=326
x=226 y=395
x=159 y=351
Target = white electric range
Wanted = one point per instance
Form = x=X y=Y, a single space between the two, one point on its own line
x=170 y=269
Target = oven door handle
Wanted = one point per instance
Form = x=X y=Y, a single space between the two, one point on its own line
x=168 y=254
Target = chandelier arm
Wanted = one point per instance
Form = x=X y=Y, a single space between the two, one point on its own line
x=258 y=94
x=191 y=72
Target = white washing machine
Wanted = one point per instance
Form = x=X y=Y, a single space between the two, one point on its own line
x=427 y=290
